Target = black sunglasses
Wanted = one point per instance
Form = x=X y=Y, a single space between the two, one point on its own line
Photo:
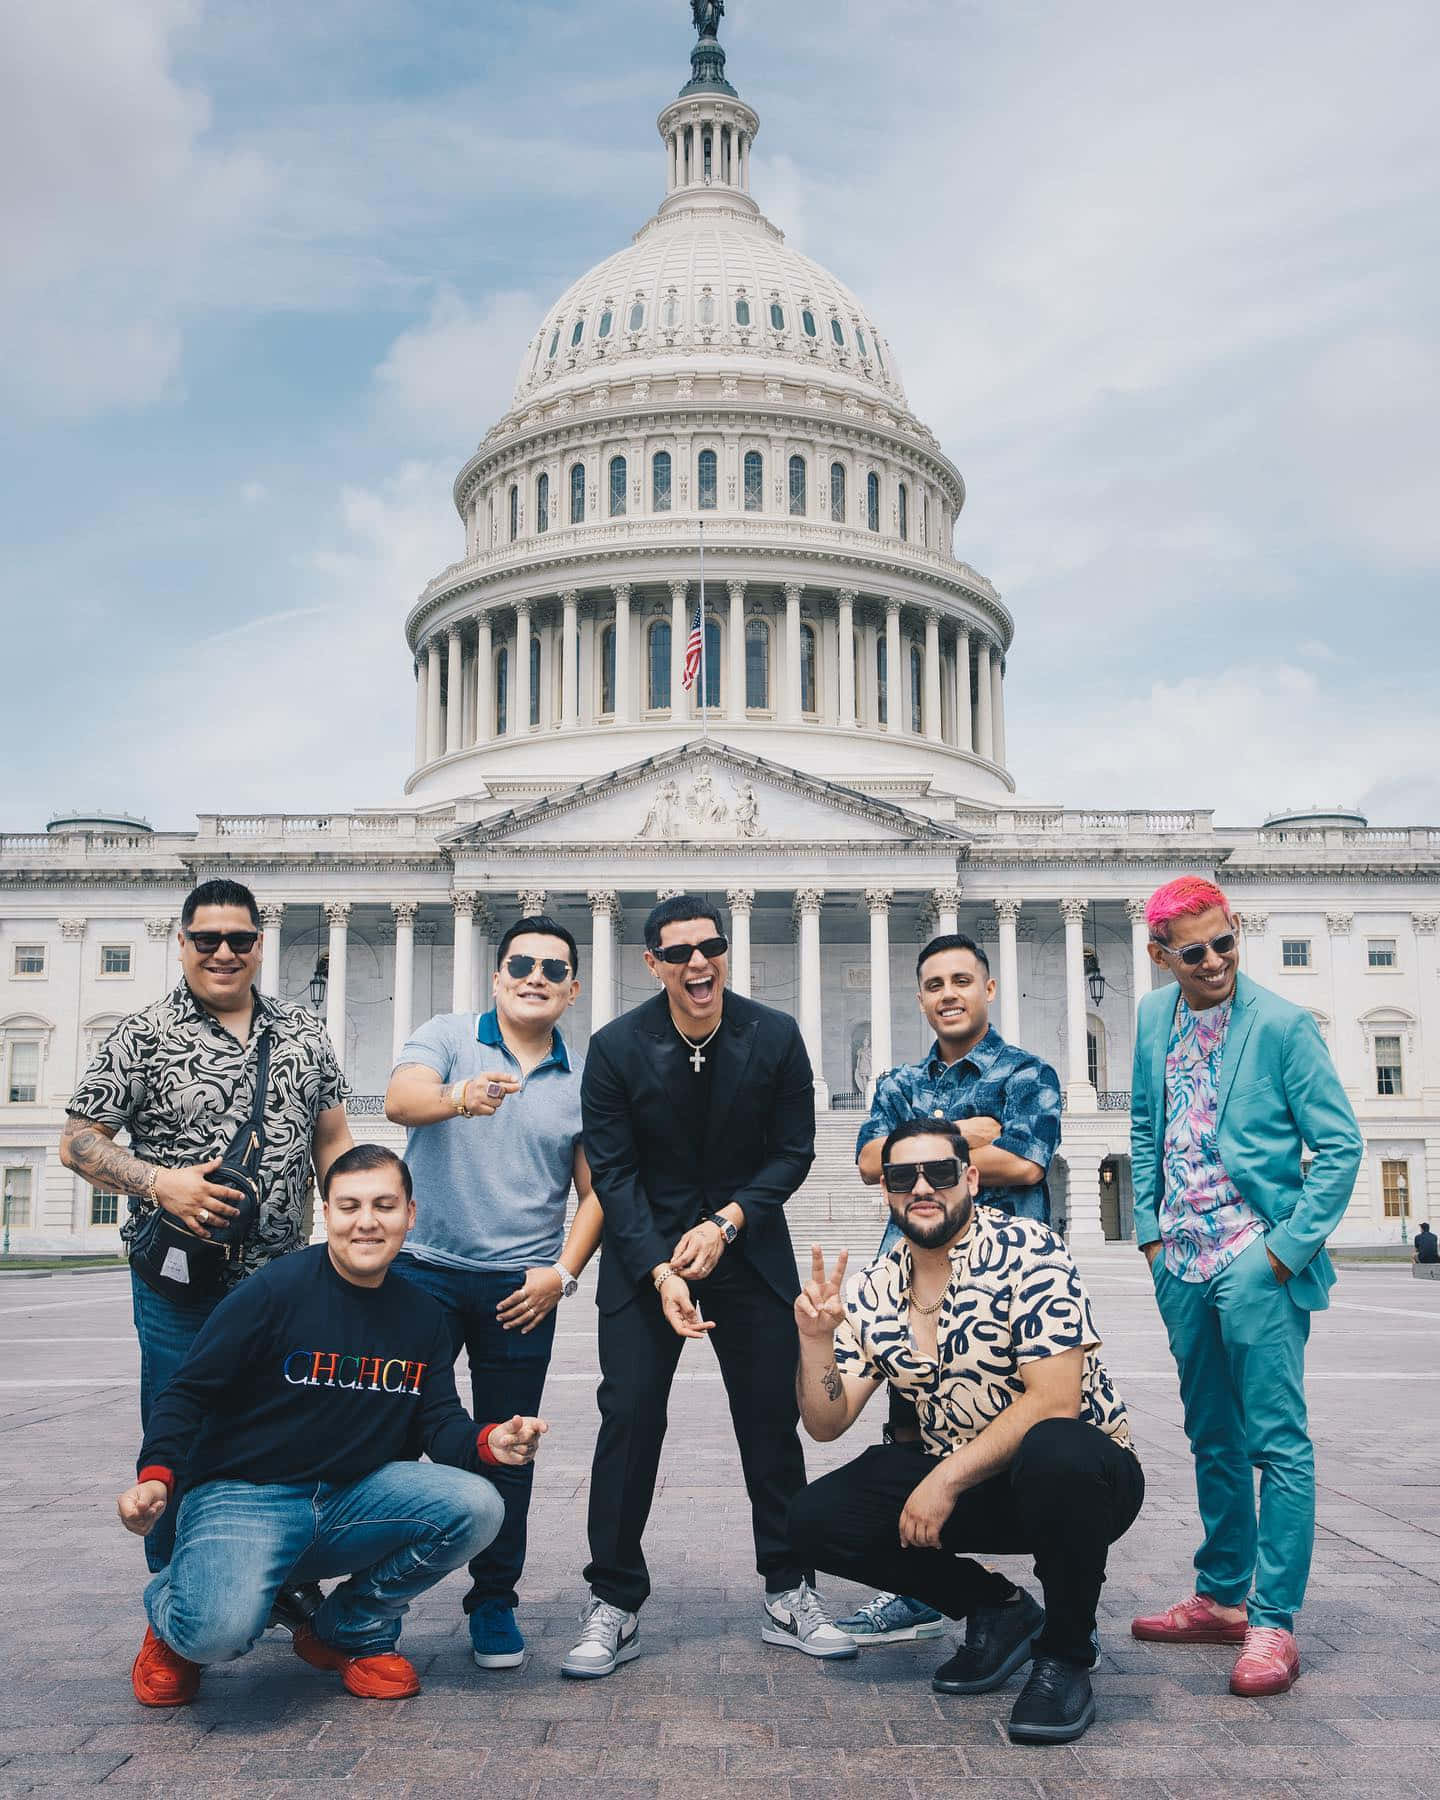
x=208 y=942
x=1194 y=954
x=943 y=1172
x=555 y=969
x=681 y=953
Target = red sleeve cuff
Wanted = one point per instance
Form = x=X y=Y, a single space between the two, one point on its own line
x=482 y=1446
x=158 y=1472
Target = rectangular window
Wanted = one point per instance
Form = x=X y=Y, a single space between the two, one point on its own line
x=1295 y=953
x=114 y=959
x=1395 y=1187
x=1380 y=953
x=104 y=1209
x=29 y=959
x=1389 y=1076
x=22 y=1085
x=18 y=1182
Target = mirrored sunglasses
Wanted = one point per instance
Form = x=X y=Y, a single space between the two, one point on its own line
x=1194 y=954
x=681 y=953
x=555 y=969
x=208 y=942
x=943 y=1172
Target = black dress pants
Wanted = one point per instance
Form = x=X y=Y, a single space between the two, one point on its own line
x=755 y=1342
x=1068 y=1495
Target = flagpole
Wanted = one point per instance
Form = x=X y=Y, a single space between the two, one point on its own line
x=704 y=634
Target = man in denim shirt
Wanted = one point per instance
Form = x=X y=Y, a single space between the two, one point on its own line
x=1007 y=1103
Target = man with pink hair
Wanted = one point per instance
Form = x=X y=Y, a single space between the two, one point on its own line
x=1231 y=1085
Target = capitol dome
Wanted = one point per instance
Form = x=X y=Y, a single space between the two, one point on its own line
x=708 y=384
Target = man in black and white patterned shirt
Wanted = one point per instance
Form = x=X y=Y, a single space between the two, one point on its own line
x=179 y=1079
x=981 y=1319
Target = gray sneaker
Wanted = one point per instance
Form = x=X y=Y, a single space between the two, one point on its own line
x=798 y=1619
x=892 y=1619
x=608 y=1638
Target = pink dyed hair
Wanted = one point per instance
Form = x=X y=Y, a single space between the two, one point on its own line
x=1186 y=895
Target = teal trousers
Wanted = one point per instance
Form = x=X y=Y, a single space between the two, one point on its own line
x=1239 y=1343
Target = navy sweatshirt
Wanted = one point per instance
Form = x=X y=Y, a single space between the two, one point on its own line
x=300 y=1376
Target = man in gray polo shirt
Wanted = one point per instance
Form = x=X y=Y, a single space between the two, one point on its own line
x=493 y=1105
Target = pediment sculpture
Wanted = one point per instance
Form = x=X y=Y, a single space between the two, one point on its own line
x=702 y=810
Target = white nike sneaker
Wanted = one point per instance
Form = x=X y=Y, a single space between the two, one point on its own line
x=798 y=1619
x=608 y=1638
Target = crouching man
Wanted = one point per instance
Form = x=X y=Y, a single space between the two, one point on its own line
x=295 y=1421
x=1024 y=1446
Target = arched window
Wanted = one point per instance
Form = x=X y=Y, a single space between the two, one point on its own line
x=917 y=688
x=742 y=311
x=837 y=331
x=712 y=662
x=807 y=669
x=502 y=690
x=837 y=492
x=709 y=151
x=637 y=316
x=657 y=665
x=754 y=481
x=514 y=511
x=882 y=685
x=577 y=333
x=757 y=664
x=670 y=312
x=797 y=487
x=705 y=308
x=534 y=680
x=607 y=322
x=777 y=316
x=872 y=501
x=807 y=322
x=577 y=493
x=542 y=503
x=660 y=481
x=904 y=510
x=617 y=486
x=554 y=345
x=607 y=669
x=860 y=341
x=707 y=484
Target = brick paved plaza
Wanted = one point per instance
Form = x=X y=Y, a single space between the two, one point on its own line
x=708 y=1710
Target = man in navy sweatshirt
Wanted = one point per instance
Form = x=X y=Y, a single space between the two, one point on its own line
x=292 y=1431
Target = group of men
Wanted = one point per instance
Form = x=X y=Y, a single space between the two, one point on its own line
x=285 y=1409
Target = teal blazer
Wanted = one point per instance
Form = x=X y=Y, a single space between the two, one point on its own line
x=1279 y=1093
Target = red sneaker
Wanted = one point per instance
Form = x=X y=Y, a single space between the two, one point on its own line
x=1194 y=1621
x=160 y=1677
x=388 y=1676
x=1268 y=1664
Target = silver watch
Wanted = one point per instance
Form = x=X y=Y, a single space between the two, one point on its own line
x=568 y=1282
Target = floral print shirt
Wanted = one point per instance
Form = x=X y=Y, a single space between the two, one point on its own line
x=1204 y=1222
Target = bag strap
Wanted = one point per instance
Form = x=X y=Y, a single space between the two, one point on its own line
x=256 y=1121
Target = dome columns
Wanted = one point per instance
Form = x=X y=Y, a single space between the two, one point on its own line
x=707 y=142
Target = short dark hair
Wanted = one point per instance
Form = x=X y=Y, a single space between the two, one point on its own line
x=544 y=926
x=673 y=910
x=1424 y=1224
x=951 y=940
x=367 y=1156
x=913 y=1128
x=220 y=892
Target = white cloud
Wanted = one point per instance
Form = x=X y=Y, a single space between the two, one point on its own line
x=450 y=377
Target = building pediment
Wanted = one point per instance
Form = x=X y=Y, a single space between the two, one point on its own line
x=705 y=793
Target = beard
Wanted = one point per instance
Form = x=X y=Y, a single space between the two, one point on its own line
x=932 y=1237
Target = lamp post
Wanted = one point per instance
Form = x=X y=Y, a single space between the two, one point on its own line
x=1094 y=977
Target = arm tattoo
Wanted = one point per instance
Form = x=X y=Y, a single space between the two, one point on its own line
x=101 y=1161
x=831 y=1382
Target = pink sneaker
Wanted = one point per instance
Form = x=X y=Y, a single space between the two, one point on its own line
x=1268 y=1664
x=1194 y=1621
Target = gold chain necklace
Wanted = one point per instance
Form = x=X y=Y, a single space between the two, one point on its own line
x=927 y=1312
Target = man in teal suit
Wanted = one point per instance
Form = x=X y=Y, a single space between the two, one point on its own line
x=1231 y=1085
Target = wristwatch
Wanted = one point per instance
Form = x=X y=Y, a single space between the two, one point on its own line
x=726 y=1229
x=568 y=1283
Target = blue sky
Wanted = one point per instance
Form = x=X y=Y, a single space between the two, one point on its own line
x=1162 y=279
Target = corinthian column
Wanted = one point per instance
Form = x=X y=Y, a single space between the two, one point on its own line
x=808 y=902
x=520 y=723
x=1007 y=916
x=462 y=967
x=484 y=681
x=964 y=699
x=624 y=712
x=878 y=899
x=455 y=688
x=740 y=900
x=997 y=707
x=338 y=914
x=894 y=681
x=604 y=905
x=946 y=901
x=930 y=705
x=985 y=704
x=434 y=741
x=845 y=654
x=1139 y=955
x=790 y=708
x=735 y=680
x=403 y=1017
x=272 y=917
x=679 y=632
x=1079 y=1094
x=569 y=660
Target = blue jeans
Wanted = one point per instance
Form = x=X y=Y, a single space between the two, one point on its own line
x=1238 y=1340
x=394 y=1533
x=166 y=1331
x=507 y=1376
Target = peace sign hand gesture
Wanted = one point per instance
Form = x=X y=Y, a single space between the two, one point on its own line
x=820 y=1304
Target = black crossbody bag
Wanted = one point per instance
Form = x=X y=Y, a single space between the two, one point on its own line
x=178 y=1262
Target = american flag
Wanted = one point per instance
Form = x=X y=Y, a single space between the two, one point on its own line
x=694 y=647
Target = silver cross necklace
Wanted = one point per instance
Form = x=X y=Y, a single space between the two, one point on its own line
x=695 y=1059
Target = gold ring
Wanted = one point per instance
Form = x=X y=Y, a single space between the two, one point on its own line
x=204 y=1216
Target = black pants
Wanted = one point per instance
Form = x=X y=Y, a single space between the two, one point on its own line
x=755 y=1342
x=1067 y=1496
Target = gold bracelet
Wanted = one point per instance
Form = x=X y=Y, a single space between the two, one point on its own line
x=661 y=1275
x=457 y=1099
x=147 y=1192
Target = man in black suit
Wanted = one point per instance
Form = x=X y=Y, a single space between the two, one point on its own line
x=699 y=1124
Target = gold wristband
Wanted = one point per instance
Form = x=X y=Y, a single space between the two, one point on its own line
x=148 y=1191
x=661 y=1275
x=457 y=1100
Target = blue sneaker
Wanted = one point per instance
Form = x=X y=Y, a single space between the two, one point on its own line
x=495 y=1637
x=892 y=1619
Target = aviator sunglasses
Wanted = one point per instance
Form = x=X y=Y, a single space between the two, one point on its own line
x=681 y=953
x=1194 y=954
x=208 y=942
x=555 y=969
x=943 y=1172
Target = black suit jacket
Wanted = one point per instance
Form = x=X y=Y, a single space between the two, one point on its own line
x=652 y=1177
